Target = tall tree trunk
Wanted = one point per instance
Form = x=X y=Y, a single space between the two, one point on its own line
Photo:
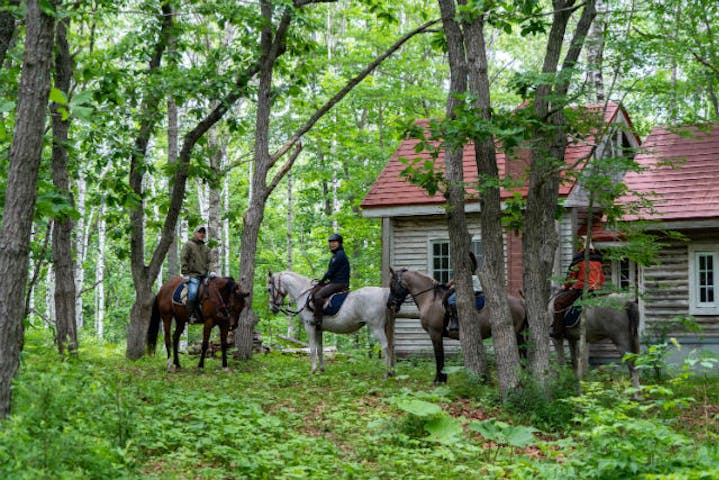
x=595 y=55
x=62 y=252
x=173 y=262
x=492 y=272
x=541 y=238
x=272 y=47
x=20 y=193
x=214 y=222
x=142 y=276
x=470 y=336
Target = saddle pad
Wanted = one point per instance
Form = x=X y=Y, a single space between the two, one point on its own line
x=571 y=318
x=334 y=303
x=179 y=296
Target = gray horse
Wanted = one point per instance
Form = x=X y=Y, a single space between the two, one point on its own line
x=428 y=295
x=618 y=321
x=364 y=306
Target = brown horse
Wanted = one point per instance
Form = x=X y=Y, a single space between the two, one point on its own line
x=220 y=302
x=428 y=295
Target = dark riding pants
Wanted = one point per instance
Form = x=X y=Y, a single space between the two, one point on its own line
x=562 y=302
x=323 y=294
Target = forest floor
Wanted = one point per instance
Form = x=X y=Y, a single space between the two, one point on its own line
x=97 y=415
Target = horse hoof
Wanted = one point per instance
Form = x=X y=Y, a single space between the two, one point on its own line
x=440 y=379
x=389 y=375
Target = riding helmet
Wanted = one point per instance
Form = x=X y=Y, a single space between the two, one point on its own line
x=335 y=237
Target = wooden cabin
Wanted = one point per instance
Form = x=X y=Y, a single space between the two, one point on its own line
x=414 y=227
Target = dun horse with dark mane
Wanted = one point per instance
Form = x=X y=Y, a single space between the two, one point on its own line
x=220 y=302
x=428 y=295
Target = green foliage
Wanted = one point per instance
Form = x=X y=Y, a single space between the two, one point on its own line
x=95 y=415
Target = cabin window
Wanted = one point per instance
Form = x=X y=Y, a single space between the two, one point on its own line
x=703 y=281
x=439 y=256
x=441 y=263
x=623 y=275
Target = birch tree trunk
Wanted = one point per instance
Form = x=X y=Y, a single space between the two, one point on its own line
x=62 y=252
x=20 y=193
x=100 y=273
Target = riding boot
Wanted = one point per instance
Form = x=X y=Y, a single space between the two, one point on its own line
x=317 y=318
x=191 y=312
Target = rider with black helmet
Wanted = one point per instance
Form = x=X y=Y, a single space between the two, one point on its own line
x=335 y=280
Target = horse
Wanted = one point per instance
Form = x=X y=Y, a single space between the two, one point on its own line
x=428 y=295
x=364 y=306
x=220 y=301
x=618 y=323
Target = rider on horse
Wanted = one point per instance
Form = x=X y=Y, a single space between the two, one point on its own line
x=195 y=260
x=574 y=286
x=335 y=280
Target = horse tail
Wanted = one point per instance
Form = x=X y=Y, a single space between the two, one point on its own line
x=632 y=310
x=153 y=328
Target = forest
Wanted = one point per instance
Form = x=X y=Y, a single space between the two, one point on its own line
x=126 y=124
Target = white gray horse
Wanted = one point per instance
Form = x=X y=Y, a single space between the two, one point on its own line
x=617 y=321
x=364 y=306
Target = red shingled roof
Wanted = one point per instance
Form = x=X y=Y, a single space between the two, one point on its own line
x=689 y=187
x=392 y=190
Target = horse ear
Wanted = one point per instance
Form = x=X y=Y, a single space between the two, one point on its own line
x=391 y=271
x=269 y=273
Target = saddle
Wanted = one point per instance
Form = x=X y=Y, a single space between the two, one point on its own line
x=571 y=316
x=179 y=296
x=332 y=304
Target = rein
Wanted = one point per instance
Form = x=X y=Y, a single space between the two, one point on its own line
x=281 y=308
x=225 y=309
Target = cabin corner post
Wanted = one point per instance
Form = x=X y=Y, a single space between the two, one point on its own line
x=386 y=249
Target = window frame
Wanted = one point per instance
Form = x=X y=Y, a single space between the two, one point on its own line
x=696 y=307
x=475 y=247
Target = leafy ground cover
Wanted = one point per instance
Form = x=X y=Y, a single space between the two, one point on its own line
x=100 y=416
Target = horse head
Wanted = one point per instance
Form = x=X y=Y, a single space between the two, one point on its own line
x=275 y=292
x=398 y=291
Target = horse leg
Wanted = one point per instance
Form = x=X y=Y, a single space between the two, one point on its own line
x=167 y=328
x=313 y=345
x=206 y=332
x=320 y=349
x=179 y=328
x=379 y=334
x=438 y=346
x=223 y=345
x=559 y=348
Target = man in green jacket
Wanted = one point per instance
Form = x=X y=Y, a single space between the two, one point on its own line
x=195 y=263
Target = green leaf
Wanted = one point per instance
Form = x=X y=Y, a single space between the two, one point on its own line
x=58 y=96
x=443 y=429
x=419 y=407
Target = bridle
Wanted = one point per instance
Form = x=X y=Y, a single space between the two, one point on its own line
x=277 y=297
x=398 y=291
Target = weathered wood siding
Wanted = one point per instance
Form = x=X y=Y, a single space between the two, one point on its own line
x=665 y=301
x=410 y=248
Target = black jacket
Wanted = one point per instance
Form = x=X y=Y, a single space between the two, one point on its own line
x=338 y=270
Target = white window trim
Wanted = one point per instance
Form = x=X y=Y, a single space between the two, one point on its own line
x=430 y=255
x=695 y=308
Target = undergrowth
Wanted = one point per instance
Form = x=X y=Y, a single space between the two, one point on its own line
x=98 y=416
